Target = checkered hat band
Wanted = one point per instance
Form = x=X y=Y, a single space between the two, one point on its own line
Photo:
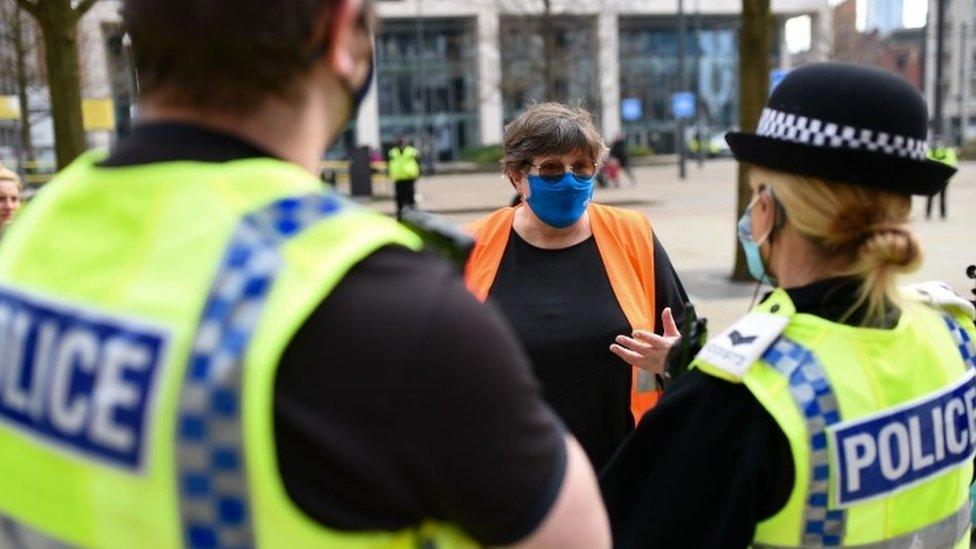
x=829 y=135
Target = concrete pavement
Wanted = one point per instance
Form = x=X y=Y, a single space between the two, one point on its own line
x=695 y=220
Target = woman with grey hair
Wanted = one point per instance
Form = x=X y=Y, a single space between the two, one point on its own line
x=582 y=284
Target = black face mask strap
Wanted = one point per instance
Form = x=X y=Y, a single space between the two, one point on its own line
x=317 y=53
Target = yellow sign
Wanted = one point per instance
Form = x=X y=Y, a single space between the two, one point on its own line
x=9 y=107
x=98 y=114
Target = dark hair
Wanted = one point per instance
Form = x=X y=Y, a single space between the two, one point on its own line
x=222 y=54
x=550 y=129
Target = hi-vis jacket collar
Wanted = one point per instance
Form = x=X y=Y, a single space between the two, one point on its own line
x=739 y=347
x=940 y=295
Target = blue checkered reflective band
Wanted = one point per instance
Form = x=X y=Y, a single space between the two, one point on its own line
x=213 y=488
x=78 y=378
x=815 y=399
x=891 y=451
x=964 y=342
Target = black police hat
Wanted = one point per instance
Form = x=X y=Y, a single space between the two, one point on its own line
x=846 y=123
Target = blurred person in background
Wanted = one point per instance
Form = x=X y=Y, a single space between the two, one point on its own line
x=839 y=412
x=428 y=153
x=404 y=167
x=233 y=356
x=610 y=171
x=618 y=151
x=582 y=284
x=946 y=155
x=10 y=191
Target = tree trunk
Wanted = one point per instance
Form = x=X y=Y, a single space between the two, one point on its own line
x=23 y=80
x=755 y=49
x=548 y=52
x=59 y=24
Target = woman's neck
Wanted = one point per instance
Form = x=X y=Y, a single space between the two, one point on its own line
x=534 y=231
x=797 y=262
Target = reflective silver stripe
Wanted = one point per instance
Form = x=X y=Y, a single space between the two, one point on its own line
x=14 y=535
x=943 y=534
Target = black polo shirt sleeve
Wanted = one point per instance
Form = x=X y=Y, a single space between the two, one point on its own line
x=402 y=398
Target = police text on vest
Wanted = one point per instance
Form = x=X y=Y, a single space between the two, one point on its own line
x=888 y=452
x=76 y=378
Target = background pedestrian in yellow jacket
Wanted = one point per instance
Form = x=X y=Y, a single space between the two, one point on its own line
x=404 y=170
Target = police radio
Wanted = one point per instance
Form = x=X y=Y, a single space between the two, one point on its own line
x=440 y=235
x=694 y=335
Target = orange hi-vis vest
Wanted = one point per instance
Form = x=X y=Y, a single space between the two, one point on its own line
x=626 y=247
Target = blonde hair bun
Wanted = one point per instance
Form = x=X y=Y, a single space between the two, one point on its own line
x=866 y=226
x=891 y=246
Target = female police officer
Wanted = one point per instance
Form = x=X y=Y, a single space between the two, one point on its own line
x=840 y=411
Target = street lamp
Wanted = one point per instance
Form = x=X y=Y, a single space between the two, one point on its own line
x=937 y=128
x=682 y=85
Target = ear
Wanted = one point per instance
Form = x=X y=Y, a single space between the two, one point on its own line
x=763 y=216
x=518 y=181
x=343 y=19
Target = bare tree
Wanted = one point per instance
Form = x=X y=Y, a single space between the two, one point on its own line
x=58 y=20
x=755 y=48
x=17 y=47
x=546 y=51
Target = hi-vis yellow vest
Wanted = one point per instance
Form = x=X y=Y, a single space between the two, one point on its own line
x=403 y=164
x=880 y=422
x=143 y=311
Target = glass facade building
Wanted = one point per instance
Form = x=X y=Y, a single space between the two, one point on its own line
x=649 y=75
x=427 y=81
x=449 y=75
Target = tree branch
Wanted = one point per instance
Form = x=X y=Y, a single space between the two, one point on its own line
x=83 y=7
x=28 y=6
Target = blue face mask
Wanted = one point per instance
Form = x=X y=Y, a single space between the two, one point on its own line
x=560 y=203
x=757 y=268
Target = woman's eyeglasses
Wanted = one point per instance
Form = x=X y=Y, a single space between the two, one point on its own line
x=553 y=171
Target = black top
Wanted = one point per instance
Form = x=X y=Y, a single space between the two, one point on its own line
x=563 y=309
x=387 y=410
x=708 y=462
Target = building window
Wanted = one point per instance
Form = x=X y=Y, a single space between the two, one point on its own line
x=649 y=74
x=427 y=82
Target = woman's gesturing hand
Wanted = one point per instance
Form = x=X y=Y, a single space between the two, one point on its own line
x=648 y=351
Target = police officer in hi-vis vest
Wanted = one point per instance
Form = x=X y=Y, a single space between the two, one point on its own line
x=840 y=411
x=201 y=347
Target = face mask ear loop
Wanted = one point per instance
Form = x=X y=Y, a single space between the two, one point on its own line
x=755 y=295
x=766 y=278
x=777 y=222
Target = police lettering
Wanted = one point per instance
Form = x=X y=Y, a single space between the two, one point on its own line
x=891 y=451
x=76 y=378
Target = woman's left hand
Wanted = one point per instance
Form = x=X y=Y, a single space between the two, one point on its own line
x=648 y=351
